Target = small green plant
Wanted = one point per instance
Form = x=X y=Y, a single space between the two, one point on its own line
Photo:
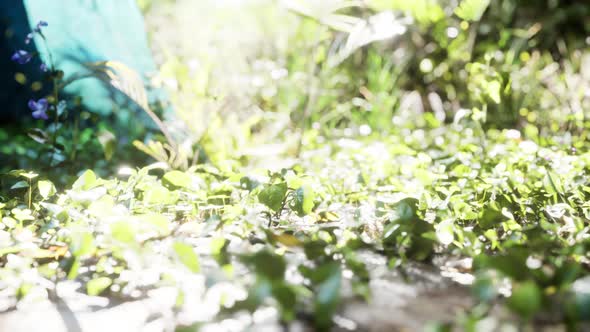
x=284 y=190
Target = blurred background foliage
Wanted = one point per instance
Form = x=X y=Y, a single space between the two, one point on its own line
x=255 y=81
x=257 y=72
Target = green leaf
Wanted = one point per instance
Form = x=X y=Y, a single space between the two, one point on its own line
x=38 y=135
x=327 y=293
x=23 y=173
x=526 y=299
x=273 y=196
x=287 y=298
x=177 y=179
x=123 y=231
x=285 y=239
x=102 y=207
x=10 y=223
x=424 y=11
x=23 y=290
x=82 y=243
x=483 y=288
x=303 y=200
x=86 y=181
x=492 y=235
x=267 y=265
x=578 y=306
x=490 y=217
x=20 y=185
x=10 y=250
x=187 y=256
x=158 y=194
x=406 y=209
x=219 y=250
x=408 y=233
x=73 y=268
x=493 y=89
x=108 y=141
x=22 y=214
x=123 y=78
x=157 y=221
x=472 y=10
x=248 y=183
x=445 y=232
x=130 y=83
x=46 y=189
x=511 y=264
x=96 y=286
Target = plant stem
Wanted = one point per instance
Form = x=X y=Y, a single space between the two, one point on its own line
x=30 y=192
x=55 y=81
x=56 y=118
x=74 y=138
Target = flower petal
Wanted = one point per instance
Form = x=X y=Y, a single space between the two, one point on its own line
x=43 y=103
x=21 y=57
x=29 y=38
x=40 y=115
x=32 y=105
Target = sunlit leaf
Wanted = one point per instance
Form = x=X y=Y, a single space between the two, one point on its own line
x=187 y=256
x=129 y=82
x=303 y=200
x=46 y=188
x=472 y=10
x=158 y=194
x=38 y=135
x=108 y=141
x=326 y=12
x=23 y=173
x=86 y=181
x=96 y=286
x=288 y=240
x=445 y=232
x=272 y=196
x=82 y=243
x=20 y=185
x=159 y=222
x=327 y=216
x=178 y=179
x=123 y=231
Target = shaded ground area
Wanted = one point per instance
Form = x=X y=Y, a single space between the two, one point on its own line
x=396 y=305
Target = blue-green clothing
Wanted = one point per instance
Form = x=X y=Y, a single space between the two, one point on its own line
x=79 y=32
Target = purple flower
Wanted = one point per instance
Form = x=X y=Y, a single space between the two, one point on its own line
x=22 y=57
x=39 y=108
x=43 y=68
x=40 y=25
x=29 y=38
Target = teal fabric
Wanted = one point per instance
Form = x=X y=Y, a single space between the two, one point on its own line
x=79 y=32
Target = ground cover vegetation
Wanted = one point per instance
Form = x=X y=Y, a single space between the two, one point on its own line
x=445 y=135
